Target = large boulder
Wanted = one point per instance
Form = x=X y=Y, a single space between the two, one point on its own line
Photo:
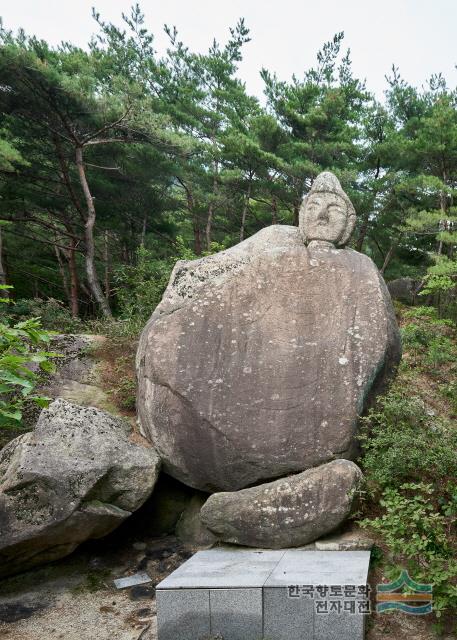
x=259 y=359
x=77 y=476
x=289 y=512
x=404 y=289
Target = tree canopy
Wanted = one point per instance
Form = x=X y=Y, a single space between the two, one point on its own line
x=112 y=148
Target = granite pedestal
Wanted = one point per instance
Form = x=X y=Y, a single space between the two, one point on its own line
x=250 y=594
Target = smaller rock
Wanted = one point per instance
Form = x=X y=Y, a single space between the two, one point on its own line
x=290 y=512
x=190 y=528
x=347 y=541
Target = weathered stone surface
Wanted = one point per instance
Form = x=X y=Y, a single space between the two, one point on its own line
x=259 y=359
x=289 y=512
x=76 y=476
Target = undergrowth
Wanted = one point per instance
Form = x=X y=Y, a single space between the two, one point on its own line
x=409 y=444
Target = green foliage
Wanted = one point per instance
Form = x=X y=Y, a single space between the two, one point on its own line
x=449 y=391
x=429 y=339
x=441 y=283
x=140 y=287
x=53 y=314
x=9 y=156
x=21 y=360
x=124 y=391
x=402 y=442
x=175 y=147
x=441 y=277
x=416 y=528
x=410 y=524
x=410 y=464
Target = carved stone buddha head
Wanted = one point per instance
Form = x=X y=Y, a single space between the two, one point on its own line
x=326 y=213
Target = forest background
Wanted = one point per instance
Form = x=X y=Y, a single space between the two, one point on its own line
x=114 y=162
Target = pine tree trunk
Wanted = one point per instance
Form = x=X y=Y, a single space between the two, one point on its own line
x=363 y=232
x=195 y=222
x=209 y=222
x=63 y=274
x=296 y=214
x=443 y=207
x=107 y=265
x=197 y=235
x=92 y=277
x=388 y=258
x=74 y=285
x=274 y=211
x=245 y=210
x=143 y=232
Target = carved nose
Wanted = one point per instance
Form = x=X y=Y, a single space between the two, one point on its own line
x=323 y=215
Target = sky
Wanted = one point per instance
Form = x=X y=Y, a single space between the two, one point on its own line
x=418 y=36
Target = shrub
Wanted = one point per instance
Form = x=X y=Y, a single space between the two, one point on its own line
x=21 y=361
x=140 y=287
x=428 y=338
x=416 y=528
x=401 y=442
x=54 y=315
x=410 y=467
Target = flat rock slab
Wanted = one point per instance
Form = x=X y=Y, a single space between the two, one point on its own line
x=243 y=594
x=224 y=568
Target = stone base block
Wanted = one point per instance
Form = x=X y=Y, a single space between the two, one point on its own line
x=240 y=594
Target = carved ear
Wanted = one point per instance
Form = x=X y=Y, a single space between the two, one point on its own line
x=350 y=223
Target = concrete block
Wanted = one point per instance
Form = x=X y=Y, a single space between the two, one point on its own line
x=183 y=614
x=236 y=614
x=339 y=626
x=224 y=567
x=249 y=594
x=286 y=618
x=313 y=613
x=320 y=568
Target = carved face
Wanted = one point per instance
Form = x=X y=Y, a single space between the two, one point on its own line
x=325 y=217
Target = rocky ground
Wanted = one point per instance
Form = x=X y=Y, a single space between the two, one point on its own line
x=75 y=598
